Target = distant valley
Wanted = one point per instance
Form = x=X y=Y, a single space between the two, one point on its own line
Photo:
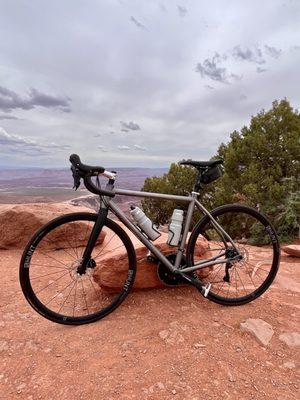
x=31 y=185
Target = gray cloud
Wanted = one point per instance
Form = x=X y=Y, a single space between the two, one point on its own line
x=137 y=23
x=260 y=70
x=10 y=100
x=211 y=70
x=133 y=126
x=45 y=100
x=138 y=147
x=254 y=55
x=27 y=146
x=272 y=51
x=12 y=117
x=123 y=148
x=123 y=72
x=182 y=11
x=102 y=148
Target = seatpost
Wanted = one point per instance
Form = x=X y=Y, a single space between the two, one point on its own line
x=197 y=186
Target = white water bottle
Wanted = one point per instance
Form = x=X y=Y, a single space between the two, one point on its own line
x=144 y=223
x=175 y=227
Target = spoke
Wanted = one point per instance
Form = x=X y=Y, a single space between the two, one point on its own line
x=51 y=283
x=250 y=275
x=47 y=266
x=242 y=282
x=59 y=293
x=236 y=287
x=110 y=251
x=105 y=246
x=41 y=276
x=84 y=296
x=48 y=240
x=93 y=285
x=52 y=258
x=229 y=283
x=75 y=298
x=216 y=273
x=66 y=297
x=256 y=267
x=66 y=236
x=262 y=278
x=221 y=287
x=74 y=236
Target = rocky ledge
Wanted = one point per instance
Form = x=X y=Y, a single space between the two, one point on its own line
x=110 y=273
x=19 y=222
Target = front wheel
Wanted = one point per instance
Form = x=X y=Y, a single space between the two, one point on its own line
x=49 y=270
x=241 y=281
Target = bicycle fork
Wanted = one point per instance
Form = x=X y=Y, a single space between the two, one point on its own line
x=97 y=228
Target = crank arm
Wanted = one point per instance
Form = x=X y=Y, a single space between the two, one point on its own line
x=204 y=288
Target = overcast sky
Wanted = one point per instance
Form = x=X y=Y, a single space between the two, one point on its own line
x=139 y=83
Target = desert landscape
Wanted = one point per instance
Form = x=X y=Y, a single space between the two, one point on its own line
x=162 y=343
x=39 y=185
x=185 y=98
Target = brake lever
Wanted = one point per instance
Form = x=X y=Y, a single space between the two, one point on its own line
x=76 y=177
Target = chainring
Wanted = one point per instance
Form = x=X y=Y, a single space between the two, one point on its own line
x=167 y=277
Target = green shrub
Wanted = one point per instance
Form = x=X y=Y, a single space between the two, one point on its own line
x=262 y=169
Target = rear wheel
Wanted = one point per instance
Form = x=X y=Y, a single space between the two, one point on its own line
x=49 y=277
x=244 y=280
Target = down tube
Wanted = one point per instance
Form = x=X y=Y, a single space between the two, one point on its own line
x=122 y=217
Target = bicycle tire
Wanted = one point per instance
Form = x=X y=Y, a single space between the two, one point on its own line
x=200 y=230
x=31 y=248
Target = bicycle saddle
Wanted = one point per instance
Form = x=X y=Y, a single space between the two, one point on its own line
x=201 y=164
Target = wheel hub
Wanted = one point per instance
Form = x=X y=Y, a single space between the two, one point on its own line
x=77 y=269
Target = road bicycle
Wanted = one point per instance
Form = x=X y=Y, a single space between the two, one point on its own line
x=61 y=262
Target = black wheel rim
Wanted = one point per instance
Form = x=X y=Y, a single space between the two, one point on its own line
x=256 y=239
x=49 y=266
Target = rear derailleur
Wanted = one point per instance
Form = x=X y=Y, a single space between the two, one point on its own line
x=230 y=254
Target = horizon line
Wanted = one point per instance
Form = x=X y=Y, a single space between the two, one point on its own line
x=61 y=167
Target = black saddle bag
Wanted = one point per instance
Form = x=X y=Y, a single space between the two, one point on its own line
x=212 y=174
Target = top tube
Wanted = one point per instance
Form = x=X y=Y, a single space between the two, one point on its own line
x=134 y=193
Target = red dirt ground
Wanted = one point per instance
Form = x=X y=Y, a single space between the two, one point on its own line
x=160 y=344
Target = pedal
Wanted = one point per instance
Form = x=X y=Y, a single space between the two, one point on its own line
x=206 y=289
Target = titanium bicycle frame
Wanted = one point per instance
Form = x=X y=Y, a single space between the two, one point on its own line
x=108 y=204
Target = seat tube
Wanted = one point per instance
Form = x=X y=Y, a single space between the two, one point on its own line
x=188 y=220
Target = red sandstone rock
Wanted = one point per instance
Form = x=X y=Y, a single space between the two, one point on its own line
x=292 y=250
x=19 y=222
x=110 y=273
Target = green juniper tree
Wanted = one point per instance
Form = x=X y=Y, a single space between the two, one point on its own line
x=262 y=169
